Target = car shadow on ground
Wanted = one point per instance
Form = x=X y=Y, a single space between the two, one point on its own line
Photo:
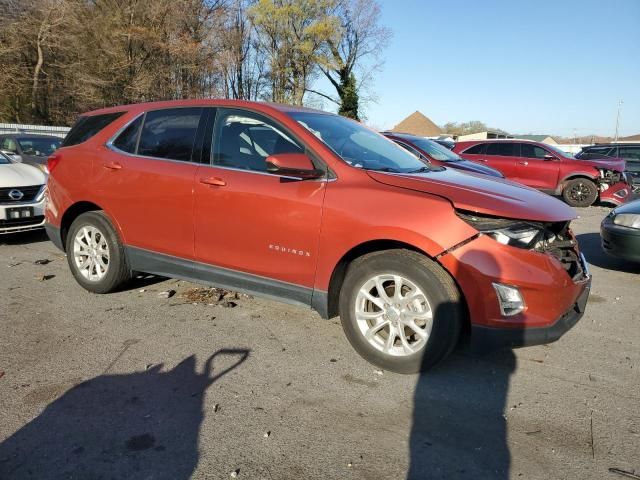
x=459 y=427
x=592 y=250
x=137 y=425
x=24 y=238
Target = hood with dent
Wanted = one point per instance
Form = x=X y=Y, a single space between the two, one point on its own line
x=482 y=194
x=615 y=164
x=20 y=175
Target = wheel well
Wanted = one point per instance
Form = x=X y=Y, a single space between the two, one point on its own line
x=339 y=272
x=575 y=177
x=73 y=212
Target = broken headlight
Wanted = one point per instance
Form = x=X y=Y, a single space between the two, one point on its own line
x=516 y=233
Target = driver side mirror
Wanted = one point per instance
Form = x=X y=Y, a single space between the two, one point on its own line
x=297 y=165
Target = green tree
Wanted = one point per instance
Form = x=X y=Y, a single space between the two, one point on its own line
x=294 y=34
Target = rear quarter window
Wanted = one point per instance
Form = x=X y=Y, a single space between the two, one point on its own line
x=476 y=149
x=87 y=126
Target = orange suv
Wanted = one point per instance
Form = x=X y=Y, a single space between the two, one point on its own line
x=315 y=209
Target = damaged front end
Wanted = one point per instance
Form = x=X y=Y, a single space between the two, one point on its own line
x=614 y=186
x=551 y=238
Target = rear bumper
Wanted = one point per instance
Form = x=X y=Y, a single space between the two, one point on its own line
x=54 y=235
x=489 y=338
x=618 y=241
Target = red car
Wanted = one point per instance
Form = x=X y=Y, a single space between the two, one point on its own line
x=317 y=210
x=580 y=182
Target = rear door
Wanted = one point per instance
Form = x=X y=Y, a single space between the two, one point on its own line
x=535 y=169
x=264 y=227
x=145 y=179
x=502 y=156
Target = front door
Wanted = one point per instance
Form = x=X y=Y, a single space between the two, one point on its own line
x=263 y=228
x=503 y=157
x=537 y=168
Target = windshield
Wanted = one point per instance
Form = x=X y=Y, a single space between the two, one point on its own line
x=4 y=159
x=359 y=146
x=40 y=147
x=434 y=150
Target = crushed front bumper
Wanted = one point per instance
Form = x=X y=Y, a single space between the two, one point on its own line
x=617 y=193
x=554 y=301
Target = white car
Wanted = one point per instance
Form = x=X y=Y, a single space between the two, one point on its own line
x=22 y=196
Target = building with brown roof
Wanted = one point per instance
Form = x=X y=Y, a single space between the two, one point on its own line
x=418 y=124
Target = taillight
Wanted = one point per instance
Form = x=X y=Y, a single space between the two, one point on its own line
x=52 y=161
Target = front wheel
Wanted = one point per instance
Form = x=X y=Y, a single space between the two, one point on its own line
x=400 y=310
x=95 y=254
x=580 y=192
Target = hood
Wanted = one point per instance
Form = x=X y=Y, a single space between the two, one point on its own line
x=631 y=207
x=615 y=164
x=20 y=175
x=468 y=166
x=482 y=194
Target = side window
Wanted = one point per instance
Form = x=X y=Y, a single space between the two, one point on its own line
x=127 y=141
x=532 y=151
x=87 y=126
x=169 y=133
x=476 y=149
x=503 y=149
x=10 y=145
x=630 y=153
x=243 y=140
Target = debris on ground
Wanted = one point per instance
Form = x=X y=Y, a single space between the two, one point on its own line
x=142 y=290
x=14 y=264
x=267 y=434
x=42 y=261
x=167 y=294
x=214 y=296
x=235 y=473
x=378 y=372
x=42 y=278
x=216 y=407
x=1 y=374
x=333 y=360
x=624 y=473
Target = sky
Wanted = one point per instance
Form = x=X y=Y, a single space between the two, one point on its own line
x=526 y=66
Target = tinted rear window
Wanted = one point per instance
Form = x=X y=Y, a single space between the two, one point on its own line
x=503 y=149
x=87 y=126
x=476 y=149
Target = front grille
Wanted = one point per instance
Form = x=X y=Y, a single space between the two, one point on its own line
x=21 y=222
x=28 y=194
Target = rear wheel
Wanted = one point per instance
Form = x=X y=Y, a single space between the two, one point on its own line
x=95 y=254
x=580 y=192
x=400 y=310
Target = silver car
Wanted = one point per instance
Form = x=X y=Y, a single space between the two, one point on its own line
x=22 y=196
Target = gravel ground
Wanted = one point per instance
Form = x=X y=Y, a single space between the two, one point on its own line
x=131 y=385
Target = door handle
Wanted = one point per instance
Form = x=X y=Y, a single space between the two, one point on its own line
x=483 y=160
x=213 y=181
x=523 y=163
x=112 y=165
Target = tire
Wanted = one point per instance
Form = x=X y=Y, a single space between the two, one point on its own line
x=100 y=248
x=420 y=273
x=580 y=192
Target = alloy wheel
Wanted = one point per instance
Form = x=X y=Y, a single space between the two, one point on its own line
x=393 y=314
x=91 y=253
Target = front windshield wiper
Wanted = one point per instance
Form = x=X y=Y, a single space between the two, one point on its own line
x=384 y=169
x=421 y=170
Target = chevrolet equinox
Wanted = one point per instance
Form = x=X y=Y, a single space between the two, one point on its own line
x=314 y=209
